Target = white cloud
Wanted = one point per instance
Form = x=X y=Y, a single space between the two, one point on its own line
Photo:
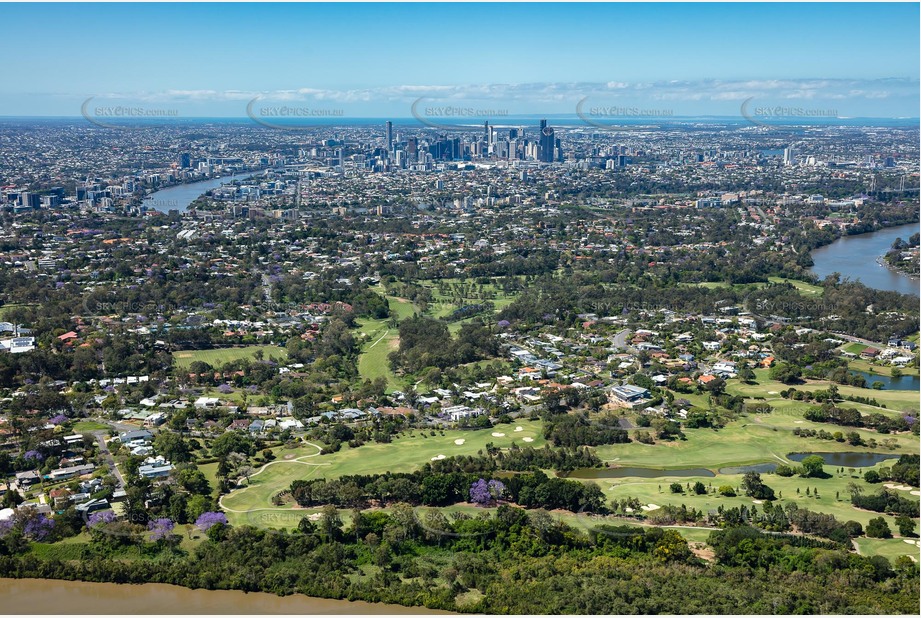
x=674 y=91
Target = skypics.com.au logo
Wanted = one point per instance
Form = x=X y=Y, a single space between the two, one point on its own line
x=621 y=118
x=453 y=115
x=123 y=117
x=287 y=117
x=783 y=115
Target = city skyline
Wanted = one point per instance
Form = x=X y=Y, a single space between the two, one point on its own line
x=380 y=61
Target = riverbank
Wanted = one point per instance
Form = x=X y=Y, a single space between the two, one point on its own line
x=179 y=196
x=881 y=260
x=848 y=256
x=56 y=596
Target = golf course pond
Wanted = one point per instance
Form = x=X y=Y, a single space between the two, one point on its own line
x=846 y=460
x=901 y=383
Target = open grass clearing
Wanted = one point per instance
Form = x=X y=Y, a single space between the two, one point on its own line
x=405 y=454
x=88 y=426
x=218 y=356
x=806 y=289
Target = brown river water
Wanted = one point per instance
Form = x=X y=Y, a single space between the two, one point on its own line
x=55 y=596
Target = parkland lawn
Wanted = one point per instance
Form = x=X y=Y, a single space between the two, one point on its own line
x=378 y=338
x=751 y=439
x=378 y=341
x=405 y=454
x=219 y=356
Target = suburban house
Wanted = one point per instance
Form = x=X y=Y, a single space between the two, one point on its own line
x=61 y=474
x=155 y=467
x=629 y=395
x=457 y=413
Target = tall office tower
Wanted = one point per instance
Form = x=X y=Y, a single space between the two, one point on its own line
x=513 y=133
x=547 y=143
x=185 y=160
x=389 y=136
x=788 y=156
x=412 y=147
x=486 y=131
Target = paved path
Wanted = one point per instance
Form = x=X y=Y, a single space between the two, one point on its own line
x=386 y=332
x=261 y=469
x=104 y=451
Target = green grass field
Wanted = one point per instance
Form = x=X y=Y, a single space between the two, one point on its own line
x=404 y=454
x=378 y=341
x=859 y=364
x=87 y=426
x=855 y=348
x=751 y=439
x=806 y=289
x=219 y=356
x=467 y=293
x=6 y=309
x=761 y=439
x=765 y=387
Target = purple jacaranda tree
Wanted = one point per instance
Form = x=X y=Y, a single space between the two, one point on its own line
x=485 y=493
x=210 y=518
x=479 y=493
x=160 y=528
x=33 y=456
x=38 y=527
x=58 y=419
x=100 y=518
x=225 y=389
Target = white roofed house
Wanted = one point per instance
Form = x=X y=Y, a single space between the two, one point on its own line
x=155 y=467
x=456 y=413
x=725 y=369
x=17 y=345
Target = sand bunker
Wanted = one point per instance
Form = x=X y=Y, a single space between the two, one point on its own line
x=915 y=493
x=772 y=392
x=528 y=439
x=438 y=457
x=459 y=441
x=798 y=422
x=315 y=516
x=758 y=501
x=650 y=507
x=627 y=509
x=899 y=487
x=497 y=434
x=519 y=428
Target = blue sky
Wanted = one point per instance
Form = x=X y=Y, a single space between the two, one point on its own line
x=375 y=60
